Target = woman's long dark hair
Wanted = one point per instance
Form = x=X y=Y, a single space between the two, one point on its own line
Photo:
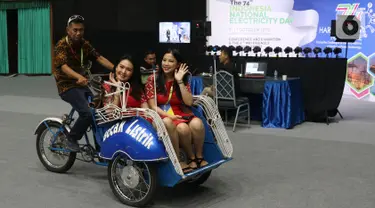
x=160 y=80
x=135 y=79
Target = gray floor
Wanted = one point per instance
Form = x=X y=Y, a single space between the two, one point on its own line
x=311 y=166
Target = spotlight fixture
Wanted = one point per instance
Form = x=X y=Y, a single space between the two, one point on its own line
x=297 y=51
x=247 y=49
x=306 y=51
x=209 y=48
x=337 y=51
x=212 y=49
x=277 y=50
x=216 y=48
x=268 y=50
x=238 y=50
x=256 y=50
x=327 y=51
x=288 y=50
x=232 y=48
x=317 y=50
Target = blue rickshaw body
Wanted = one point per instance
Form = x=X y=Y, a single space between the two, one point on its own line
x=125 y=137
x=134 y=137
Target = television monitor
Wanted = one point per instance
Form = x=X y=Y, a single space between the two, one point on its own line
x=174 y=32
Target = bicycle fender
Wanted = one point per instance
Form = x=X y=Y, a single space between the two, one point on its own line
x=48 y=120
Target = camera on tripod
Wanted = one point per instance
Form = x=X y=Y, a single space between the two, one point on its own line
x=346 y=29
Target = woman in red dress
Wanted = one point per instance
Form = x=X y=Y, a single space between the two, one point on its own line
x=173 y=100
x=124 y=72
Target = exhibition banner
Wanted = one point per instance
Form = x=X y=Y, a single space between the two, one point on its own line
x=301 y=23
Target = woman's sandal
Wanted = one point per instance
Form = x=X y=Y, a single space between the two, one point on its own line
x=190 y=161
x=187 y=169
x=199 y=161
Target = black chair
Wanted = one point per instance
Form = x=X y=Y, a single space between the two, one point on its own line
x=226 y=96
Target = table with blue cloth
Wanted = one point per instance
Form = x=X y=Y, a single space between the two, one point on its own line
x=282 y=103
x=196 y=85
x=278 y=103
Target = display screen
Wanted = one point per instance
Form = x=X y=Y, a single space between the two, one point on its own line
x=174 y=32
x=255 y=68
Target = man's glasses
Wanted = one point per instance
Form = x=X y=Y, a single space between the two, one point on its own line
x=75 y=17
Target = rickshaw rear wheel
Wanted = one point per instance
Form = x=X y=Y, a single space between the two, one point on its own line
x=131 y=178
x=40 y=139
x=199 y=180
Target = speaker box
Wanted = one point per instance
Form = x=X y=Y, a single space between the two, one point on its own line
x=201 y=28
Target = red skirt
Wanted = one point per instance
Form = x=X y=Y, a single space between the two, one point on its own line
x=178 y=121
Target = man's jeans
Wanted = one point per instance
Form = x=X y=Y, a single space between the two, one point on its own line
x=77 y=98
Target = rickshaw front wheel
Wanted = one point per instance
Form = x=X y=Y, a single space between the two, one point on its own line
x=58 y=161
x=133 y=183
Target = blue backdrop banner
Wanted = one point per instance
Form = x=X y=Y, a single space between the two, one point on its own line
x=328 y=10
x=301 y=23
